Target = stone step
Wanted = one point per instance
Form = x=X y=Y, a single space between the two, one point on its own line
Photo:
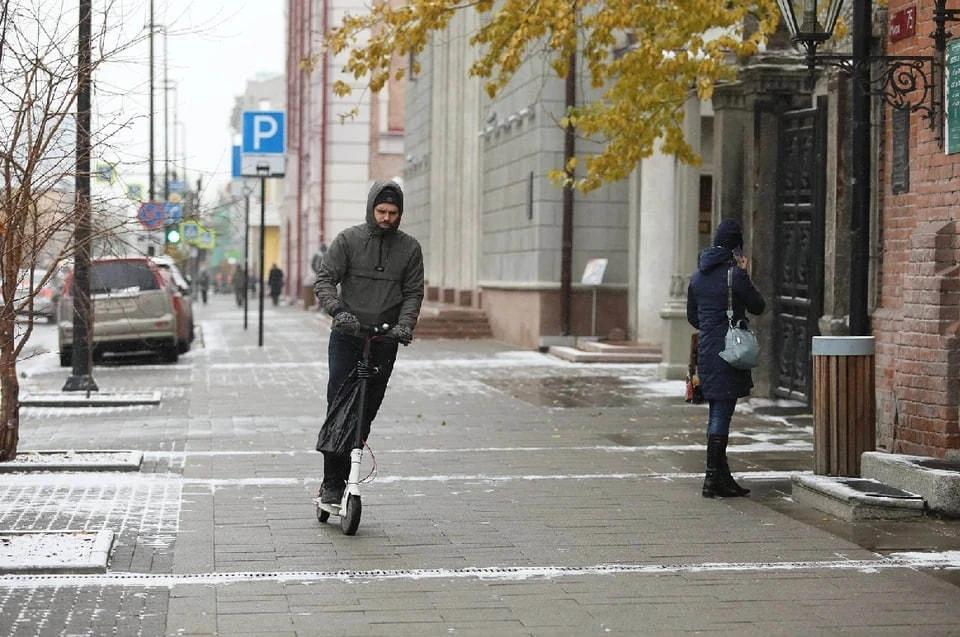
x=936 y=479
x=609 y=355
x=445 y=321
x=440 y=320
x=853 y=499
x=452 y=330
x=618 y=347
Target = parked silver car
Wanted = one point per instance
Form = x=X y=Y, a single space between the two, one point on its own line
x=133 y=310
x=182 y=300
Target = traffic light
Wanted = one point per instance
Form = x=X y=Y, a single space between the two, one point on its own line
x=171 y=234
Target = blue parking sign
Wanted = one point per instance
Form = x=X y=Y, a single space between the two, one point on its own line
x=235 y=160
x=263 y=133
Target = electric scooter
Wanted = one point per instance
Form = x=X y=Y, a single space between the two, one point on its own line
x=350 y=507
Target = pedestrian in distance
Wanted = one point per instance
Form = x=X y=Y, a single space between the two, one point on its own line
x=204 y=282
x=379 y=271
x=239 y=285
x=722 y=385
x=275 y=281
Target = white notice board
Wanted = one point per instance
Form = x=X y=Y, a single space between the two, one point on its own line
x=593 y=272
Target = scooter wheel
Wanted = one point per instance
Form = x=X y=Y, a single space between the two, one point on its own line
x=350 y=519
x=322 y=515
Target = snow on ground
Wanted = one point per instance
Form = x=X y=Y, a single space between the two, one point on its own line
x=62 y=551
x=53 y=460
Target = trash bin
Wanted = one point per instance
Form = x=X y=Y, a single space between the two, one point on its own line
x=844 y=419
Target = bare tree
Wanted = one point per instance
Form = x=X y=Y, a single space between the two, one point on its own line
x=38 y=209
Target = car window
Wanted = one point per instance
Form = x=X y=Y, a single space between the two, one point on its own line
x=175 y=274
x=110 y=276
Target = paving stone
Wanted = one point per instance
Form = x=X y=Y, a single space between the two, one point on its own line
x=494 y=511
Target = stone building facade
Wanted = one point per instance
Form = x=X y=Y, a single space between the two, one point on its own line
x=331 y=160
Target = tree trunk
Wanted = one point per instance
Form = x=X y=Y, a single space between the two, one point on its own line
x=10 y=390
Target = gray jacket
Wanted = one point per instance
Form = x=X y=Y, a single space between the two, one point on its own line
x=379 y=272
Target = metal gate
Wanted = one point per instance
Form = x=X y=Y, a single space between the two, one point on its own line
x=799 y=237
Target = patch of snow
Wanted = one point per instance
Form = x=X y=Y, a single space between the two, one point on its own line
x=66 y=551
x=48 y=460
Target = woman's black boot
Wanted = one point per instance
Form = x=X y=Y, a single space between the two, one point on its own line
x=727 y=476
x=714 y=482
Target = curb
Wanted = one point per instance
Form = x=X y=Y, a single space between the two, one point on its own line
x=73 y=460
x=95 y=399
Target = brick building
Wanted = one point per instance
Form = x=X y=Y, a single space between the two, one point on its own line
x=917 y=275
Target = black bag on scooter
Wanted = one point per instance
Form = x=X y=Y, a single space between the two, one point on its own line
x=338 y=432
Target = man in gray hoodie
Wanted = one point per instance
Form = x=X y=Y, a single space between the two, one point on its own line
x=379 y=271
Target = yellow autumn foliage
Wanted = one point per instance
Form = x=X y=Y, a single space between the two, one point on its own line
x=674 y=48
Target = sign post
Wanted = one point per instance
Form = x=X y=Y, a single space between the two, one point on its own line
x=593 y=276
x=263 y=155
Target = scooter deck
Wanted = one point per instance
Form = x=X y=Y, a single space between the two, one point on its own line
x=332 y=509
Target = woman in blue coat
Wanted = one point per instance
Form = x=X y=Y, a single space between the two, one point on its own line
x=707 y=311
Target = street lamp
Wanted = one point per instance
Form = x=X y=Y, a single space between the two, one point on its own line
x=810 y=32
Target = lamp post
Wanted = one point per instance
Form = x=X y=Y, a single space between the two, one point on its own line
x=263 y=171
x=903 y=76
x=81 y=378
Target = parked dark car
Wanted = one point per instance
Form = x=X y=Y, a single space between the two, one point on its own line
x=133 y=309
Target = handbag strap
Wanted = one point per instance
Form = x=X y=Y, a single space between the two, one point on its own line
x=730 y=295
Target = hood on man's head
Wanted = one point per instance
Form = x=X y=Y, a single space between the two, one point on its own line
x=729 y=235
x=384 y=191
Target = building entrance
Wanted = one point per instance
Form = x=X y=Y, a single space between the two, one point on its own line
x=799 y=239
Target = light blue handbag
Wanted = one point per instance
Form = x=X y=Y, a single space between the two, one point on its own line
x=741 y=348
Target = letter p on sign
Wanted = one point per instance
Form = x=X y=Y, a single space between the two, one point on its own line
x=263 y=132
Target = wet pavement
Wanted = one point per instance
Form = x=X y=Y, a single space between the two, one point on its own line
x=515 y=494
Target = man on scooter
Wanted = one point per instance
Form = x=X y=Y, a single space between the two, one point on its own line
x=379 y=271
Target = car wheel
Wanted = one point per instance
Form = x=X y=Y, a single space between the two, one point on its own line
x=170 y=352
x=183 y=347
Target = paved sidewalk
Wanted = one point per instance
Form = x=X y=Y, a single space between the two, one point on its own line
x=515 y=494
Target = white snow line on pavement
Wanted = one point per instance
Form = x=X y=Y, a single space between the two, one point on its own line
x=933 y=560
x=758 y=447
x=790 y=443
x=751 y=475
x=84 y=480
x=534 y=361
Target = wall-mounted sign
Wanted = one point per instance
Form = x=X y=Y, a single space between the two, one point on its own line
x=903 y=24
x=952 y=98
x=900 y=161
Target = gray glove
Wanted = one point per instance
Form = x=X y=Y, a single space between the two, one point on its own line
x=346 y=323
x=401 y=333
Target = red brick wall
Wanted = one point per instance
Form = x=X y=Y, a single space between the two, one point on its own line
x=918 y=286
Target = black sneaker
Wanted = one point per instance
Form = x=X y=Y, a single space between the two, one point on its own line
x=331 y=495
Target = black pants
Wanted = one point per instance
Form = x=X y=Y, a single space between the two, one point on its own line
x=343 y=354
